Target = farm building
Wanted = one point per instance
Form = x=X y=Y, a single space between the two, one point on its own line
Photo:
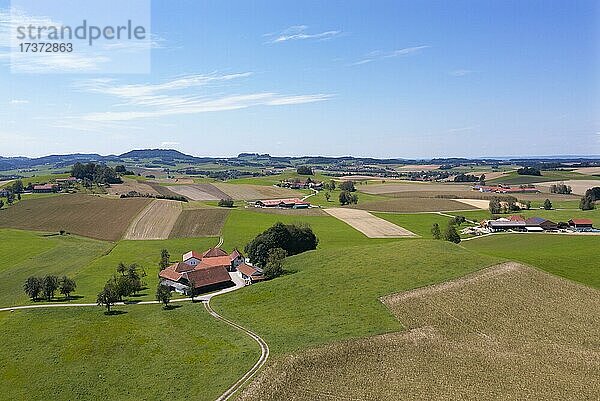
x=518 y=223
x=214 y=257
x=300 y=184
x=181 y=277
x=45 y=188
x=250 y=274
x=540 y=224
x=579 y=224
x=503 y=189
x=291 y=203
x=205 y=271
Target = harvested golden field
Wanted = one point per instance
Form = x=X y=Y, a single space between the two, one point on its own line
x=369 y=225
x=409 y=205
x=419 y=167
x=391 y=188
x=154 y=222
x=506 y=333
x=478 y=203
x=199 y=192
x=254 y=192
x=579 y=186
x=588 y=170
x=199 y=223
x=131 y=185
x=91 y=216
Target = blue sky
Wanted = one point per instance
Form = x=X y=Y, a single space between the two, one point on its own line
x=378 y=78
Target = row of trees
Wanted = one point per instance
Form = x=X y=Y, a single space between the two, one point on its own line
x=304 y=170
x=560 y=189
x=47 y=286
x=348 y=198
x=529 y=171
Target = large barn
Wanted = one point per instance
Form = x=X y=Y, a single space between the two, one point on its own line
x=201 y=272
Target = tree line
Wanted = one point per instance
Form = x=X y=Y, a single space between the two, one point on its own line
x=46 y=287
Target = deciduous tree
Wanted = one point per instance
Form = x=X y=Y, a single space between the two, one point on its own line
x=33 y=287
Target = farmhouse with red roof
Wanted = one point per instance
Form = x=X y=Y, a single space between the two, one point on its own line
x=202 y=272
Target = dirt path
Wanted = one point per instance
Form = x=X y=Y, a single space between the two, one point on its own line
x=154 y=222
x=264 y=354
x=368 y=224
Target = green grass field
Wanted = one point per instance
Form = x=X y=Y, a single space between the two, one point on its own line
x=243 y=225
x=572 y=257
x=513 y=178
x=146 y=353
x=91 y=263
x=418 y=223
x=333 y=293
x=24 y=254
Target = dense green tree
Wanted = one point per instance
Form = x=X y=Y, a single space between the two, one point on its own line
x=165 y=258
x=304 y=170
x=1 y=203
x=293 y=238
x=587 y=203
x=529 y=171
x=121 y=268
x=66 y=286
x=435 y=231
x=348 y=186
x=495 y=206
x=163 y=295
x=547 y=204
x=458 y=220
x=274 y=266
x=327 y=196
x=95 y=173
x=17 y=187
x=451 y=234
x=108 y=296
x=226 y=203
x=49 y=286
x=33 y=287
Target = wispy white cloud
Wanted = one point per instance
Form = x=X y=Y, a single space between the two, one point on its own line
x=180 y=96
x=463 y=129
x=19 y=101
x=299 y=32
x=461 y=73
x=381 y=55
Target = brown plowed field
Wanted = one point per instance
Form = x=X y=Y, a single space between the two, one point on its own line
x=254 y=192
x=156 y=221
x=199 y=192
x=199 y=223
x=506 y=333
x=410 y=205
x=131 y=185
x=91 y=216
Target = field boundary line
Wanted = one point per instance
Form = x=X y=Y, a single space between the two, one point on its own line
x=264 y=348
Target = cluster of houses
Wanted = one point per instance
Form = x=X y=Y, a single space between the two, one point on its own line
x=289 y=203
x=535 y=224
x=505 y=189
x=301 y=184
x=208 y=271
